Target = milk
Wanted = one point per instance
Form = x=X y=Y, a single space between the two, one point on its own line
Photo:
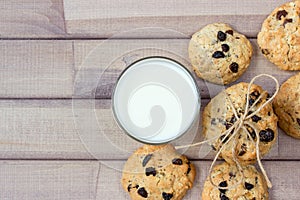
x=156 y=100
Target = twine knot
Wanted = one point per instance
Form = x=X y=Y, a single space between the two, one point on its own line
x=240 y=123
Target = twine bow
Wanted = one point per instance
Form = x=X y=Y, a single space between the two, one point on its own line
x=235 y=128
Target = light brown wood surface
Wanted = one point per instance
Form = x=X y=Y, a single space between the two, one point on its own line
x=89 y=68
x=32 y=19
x=54 y=129
x=36 y=69
x=101 y=18
x=57 y=73
x=77 y=180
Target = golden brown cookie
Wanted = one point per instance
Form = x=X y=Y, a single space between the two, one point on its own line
x=218 y=117
x=225 y=175
x=279 y=38
x=287 y=106
x=157 y=172
x=219 y=54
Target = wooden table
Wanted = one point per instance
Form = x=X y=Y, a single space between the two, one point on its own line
x=47 y=68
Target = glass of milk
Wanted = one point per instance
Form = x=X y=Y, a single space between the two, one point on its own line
x=156 y=100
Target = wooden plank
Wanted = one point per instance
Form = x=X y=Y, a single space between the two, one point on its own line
x=45 y=180
x=28 y=180
x=50 y=68
x=85 y=129
x=107 y=19
x=99 y=63
x=36 y=69
x=32 y=19
x=39 y=129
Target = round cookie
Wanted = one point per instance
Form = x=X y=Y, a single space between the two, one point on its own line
x=218 y=117
x=157 y=172
x=287 y=106
x=279 y=38
x=219 y=54
x=225 y=175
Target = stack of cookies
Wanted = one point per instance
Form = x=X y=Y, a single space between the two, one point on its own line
x=220 y=55
x=218 y=116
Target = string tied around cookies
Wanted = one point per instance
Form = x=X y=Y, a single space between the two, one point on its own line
x=240 y=124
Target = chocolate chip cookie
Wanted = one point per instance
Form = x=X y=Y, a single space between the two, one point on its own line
x=157 y=172
x=279 y=38
x=218 y=117
x=287 y=106
x=219 y=54
x=225 y=175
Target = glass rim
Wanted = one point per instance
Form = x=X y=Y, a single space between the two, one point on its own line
x=181 y=133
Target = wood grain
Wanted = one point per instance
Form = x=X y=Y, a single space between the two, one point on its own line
x=99 y=63
x=36 y=69
x=28 y=180
x=62 y=129
x=113 y=18
x=51 y=69
x=32 y=19
x=78 y=180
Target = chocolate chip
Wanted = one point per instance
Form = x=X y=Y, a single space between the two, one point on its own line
x=218 y=54
x=241 y=153
x=129 y=187
x=249 y=186
x=243 y=150
x=221 y=36
x=223 y=184
x=225 y=47
x=234 y=67
x=281 y=13
x=251 y=101
x=298 y=121
x=265 y=51
x=252 y=132
x=189 y=168
x=177 y=161
x=142 y=192
x=167 y=196
x=287 y=21
x=146 y=159
x=255 y=94
x=230 y=32
x=150 y=171
x=213 y=147
x=266 y=135
x=233 y=119
x=255 y=118
x=228 y=125
x=223 y=197
x=225 y=140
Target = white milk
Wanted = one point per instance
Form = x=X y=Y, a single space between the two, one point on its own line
x=156 y=100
